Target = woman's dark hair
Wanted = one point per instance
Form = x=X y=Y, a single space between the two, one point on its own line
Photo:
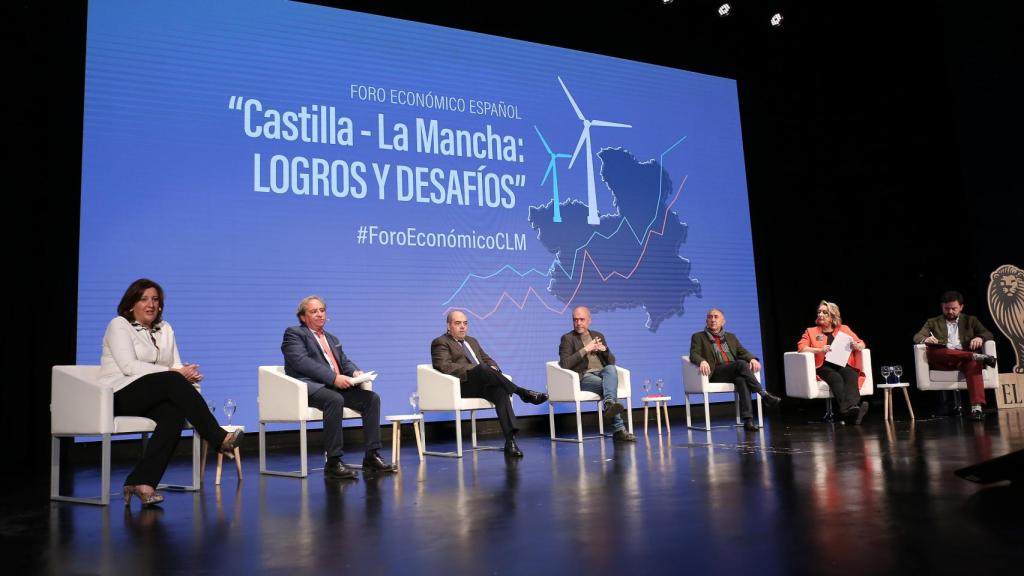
x=132 y=296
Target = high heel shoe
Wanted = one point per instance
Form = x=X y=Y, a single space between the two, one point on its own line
x=148 y=497
x=231 y=441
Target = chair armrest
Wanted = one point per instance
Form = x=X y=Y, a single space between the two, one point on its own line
x=281 y=397
x=801 y=381
x=563 y=384
x=79 y=405
x=625 y=389
x=693 y=381
x=869 y=379
x=437 y=391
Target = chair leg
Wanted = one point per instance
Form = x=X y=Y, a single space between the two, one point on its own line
x=629 y=413
x=707 y=412
x=600 y=419
x=303 y=464
x=760 y=412
x=686 y=400
x=54 y=467
x=829 y=416
x=105 y=472
x=458 y=433
x=263 y=447
x=579 y=422
x=472 y=426
x=551 y=419
x=739 y=422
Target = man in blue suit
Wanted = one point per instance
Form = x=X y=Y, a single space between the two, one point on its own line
x=315 y=357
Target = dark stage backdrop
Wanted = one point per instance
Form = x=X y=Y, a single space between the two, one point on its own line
x=881 y=136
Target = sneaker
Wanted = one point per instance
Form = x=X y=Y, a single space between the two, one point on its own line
x=612 y=409
x=977 y=415
x=623 y=436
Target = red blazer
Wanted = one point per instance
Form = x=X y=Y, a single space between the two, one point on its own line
x=814 y=337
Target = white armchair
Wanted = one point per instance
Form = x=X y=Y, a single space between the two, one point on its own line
x=79 y=406
x=283 y=399
x=696 y=383
x=564 y=386
x=928 y=379
x=802 y=380
x=440 y=392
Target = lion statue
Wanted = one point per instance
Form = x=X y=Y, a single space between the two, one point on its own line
x=1006 y=303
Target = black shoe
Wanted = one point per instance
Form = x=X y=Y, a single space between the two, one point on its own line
x=989 y=361
x=770 y=399
x=749 y=426
x=231 y=441
x=531 y=397
x=978 y=415
x=512 y=449
x=613 y=409
x=861 y=411
x=336 y=470
x=623 y=436
x=372 y=462
x=849 y=416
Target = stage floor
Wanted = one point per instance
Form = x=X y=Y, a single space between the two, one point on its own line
x=797 y=498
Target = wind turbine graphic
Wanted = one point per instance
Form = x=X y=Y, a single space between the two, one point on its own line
x=553 y=172
x=592 y=217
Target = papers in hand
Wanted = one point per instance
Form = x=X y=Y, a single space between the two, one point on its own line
x=839 y=352
x=365 y=377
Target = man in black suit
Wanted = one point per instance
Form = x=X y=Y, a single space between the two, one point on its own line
x=456 y=354
x=720 y=356
x=586 y=352
x=315 y=357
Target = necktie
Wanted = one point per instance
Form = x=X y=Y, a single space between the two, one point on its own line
x=327 y=351
x=469 y=352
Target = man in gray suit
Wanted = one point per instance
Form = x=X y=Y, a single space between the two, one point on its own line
x=315 y=357
x=457 y=354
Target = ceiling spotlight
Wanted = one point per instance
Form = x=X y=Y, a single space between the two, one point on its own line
x=724 y=10
x=666 y=2
x=777 y=19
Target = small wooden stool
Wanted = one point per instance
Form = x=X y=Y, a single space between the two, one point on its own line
x=660 y=403
x=396 y=434
x=220 y=456
x=888 y=399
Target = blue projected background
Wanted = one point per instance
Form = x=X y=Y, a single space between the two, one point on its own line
x=247 y=154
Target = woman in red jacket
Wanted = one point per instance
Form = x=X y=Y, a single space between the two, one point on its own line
x=844 y=381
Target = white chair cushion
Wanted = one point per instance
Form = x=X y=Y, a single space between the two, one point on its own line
x=132 y=424
x=946 y=376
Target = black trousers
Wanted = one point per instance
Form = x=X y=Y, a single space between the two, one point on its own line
x=485 y=382
x=740 y=374
x=169 y=399
x=842 y=381
x=332 y=402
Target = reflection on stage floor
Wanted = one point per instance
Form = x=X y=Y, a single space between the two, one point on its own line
x=793 y=498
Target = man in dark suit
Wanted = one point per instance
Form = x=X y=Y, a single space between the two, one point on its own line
x=459 y=355
x=315 y=357
x=950 y=339
x=586 y=352
x=722 y=358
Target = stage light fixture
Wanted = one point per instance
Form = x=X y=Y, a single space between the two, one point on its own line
x=666 y=2
x=724 y=10
x=777 y=19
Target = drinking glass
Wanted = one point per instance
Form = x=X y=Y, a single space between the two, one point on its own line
x=229 y=409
